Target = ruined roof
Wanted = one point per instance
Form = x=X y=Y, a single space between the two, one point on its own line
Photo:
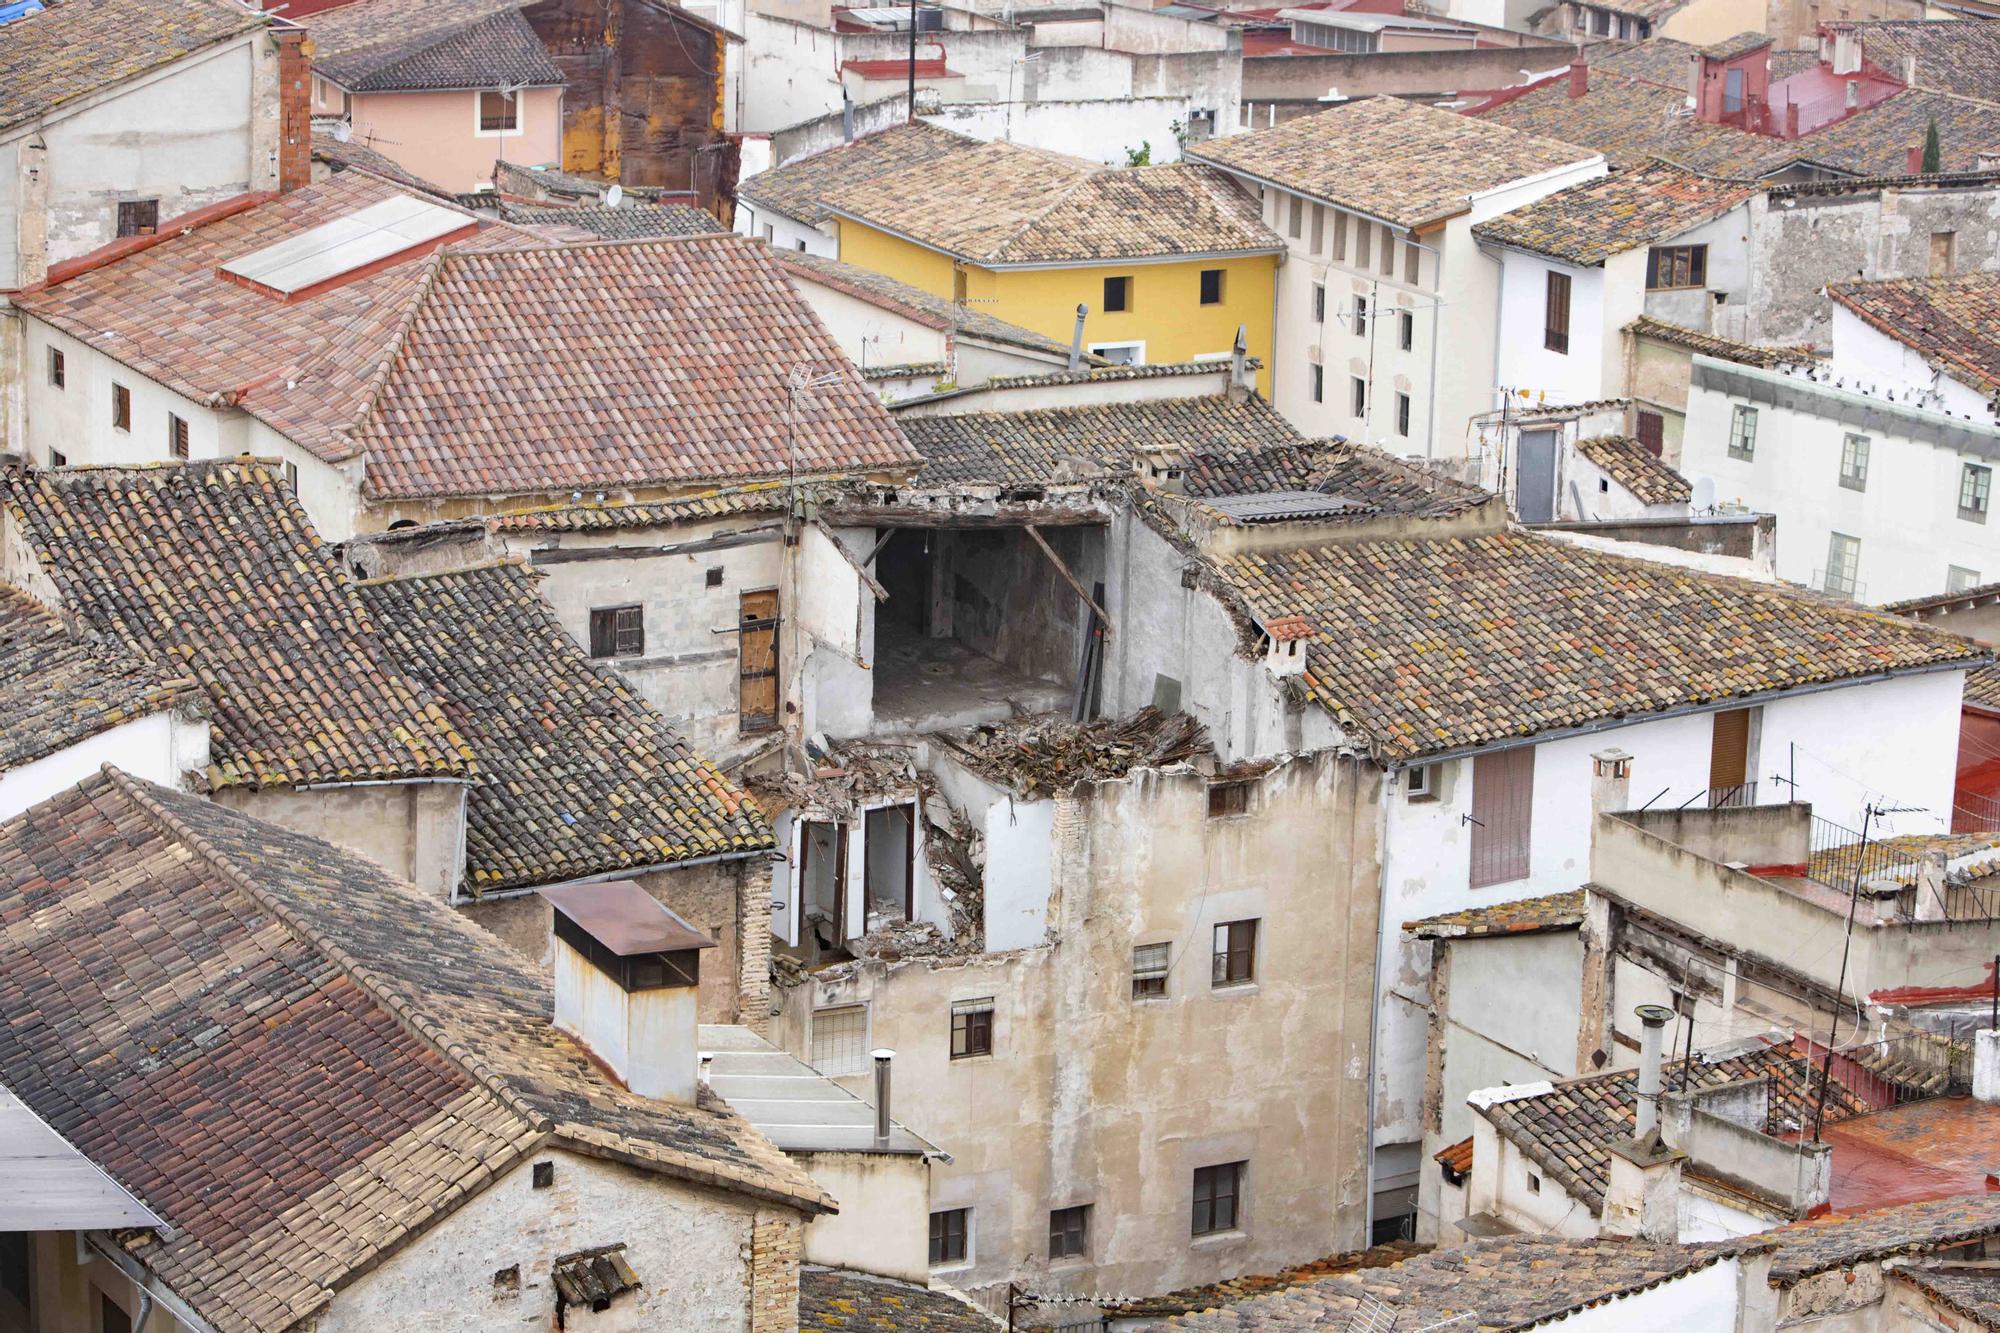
x=1524 y=916
x=880 y=289
x=1589 y=223
x=769 y=497
x=1429 y=645
x=212 y=569
x=1190 y=1300
x=162 y=956
x=1723 y=349
x=1954 y=323
x=1950 y=55
x=1406 y=164
x=1969 y=1291
x=531 y=370
x=1636 y=468
x=342 y=155
x=532 y=180
x=373 y=46
x=1567 y=1129
x=628 y=222
x=1002 y=204
x=56 y=689
x=837 y=1298
x=1039 y=756
x=1511 y=1282
x=1841 y=1240
x=799 y=189
x=1371 y=481
x=1730 y=48
x=578 y=776
x=74 y=48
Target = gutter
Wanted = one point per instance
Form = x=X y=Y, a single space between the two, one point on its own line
x=1375 y=991
x=151 y=1290
x=1114 y=261
x=460 y=898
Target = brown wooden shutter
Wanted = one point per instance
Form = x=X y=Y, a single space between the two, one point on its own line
x=1555 y=334
x=1653 y=433
x=757 y=661
x=1503 y=798
x=1729 y=752
x=604 y=632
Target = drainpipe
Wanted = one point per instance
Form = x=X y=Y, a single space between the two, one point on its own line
x=1375 y=1004
x=142 y=1282
x=882 y=1059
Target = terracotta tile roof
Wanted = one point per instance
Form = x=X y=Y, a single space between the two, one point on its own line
x=162 y=956
x=1456 y=1158
x=1983 y=687
x=799 y=189
x=1565 y=1130
x=75 y=48
x=1964 y=599
x=356 y=155
x=1002 y=204
x=1190 y=1300
x=532 y=181
x=1840 y=1240
x=1954 y=323
x=628 y=222
x=377 y=46
x=880 y=289
x=835 y=1298
x=1511 y=1282
x=1633 y=466
x=1406 y=164
x=1588 y=223
x=1877 y=141
x=543 y=369
x=758 y=498
x=1950 y=55
x=1709 y=344
x=57 y=689
x=1370 y=482
x=212 y=569
x=1742 y=44
x=1556 y=911
x=1426 y=646
x=1969 y=1292
x=578 y=776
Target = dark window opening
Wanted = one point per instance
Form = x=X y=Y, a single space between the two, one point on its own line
x=1235 y=961
x=1211 y=286
x=58 y=372
x=1117 y=295
x=139 y=217
x=949 y=1233
x=121 y=407
x=1228 y=798
x=1555 y=324
x=177 y=436
x=1069 y=1232
x=617 y=631
x=1218 y=1193
x=971 y=1028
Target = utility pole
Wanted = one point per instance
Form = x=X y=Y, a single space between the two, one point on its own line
x=912 y=117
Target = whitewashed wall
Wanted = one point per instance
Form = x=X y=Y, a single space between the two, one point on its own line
x=158 y=748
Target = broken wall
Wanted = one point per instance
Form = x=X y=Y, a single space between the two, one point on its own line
x=1008 y=601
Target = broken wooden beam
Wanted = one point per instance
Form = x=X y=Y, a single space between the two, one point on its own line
x=1069 y=578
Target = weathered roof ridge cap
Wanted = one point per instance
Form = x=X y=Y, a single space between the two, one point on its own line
x=520 y=562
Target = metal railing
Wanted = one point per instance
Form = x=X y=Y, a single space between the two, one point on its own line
x=1974 y=813
x=1911 y=1067
x=1835 y=854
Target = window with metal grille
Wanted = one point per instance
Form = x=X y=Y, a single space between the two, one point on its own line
x=1117 y=294
x=617 y=631
x=1503 y=795
x=1671 y=266
x=139 y=217
x=177 y=436
x=971 y=1028
x=1975 y=490
x=1402 y=414
x=1069 y=1232
x=1555 y=321
x=1743 y=432
x=1228 y=798
x=1150 y=963
x=121 y=407
x=58 y=370
x=499 y=112
x=1319 y=303
x=1218 y=1197
x=840 y=1040
x=1235 y=960
x=951 y=1235
x=1843 y=565
x=1406 y=333
x=1854 y=462
x=1211 y=286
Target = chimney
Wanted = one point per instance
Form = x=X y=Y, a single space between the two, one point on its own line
x=1853 y=95
x=1285 y=639
x=1076 y=340
x=627 y=975
x=1579 y=77
x=1654 y=1018
x=1986 y=1065
x=294 y=108
x=1643 y=1195
x=882 y=1058
x=1610 y=781
x=1913 y=159
x=1931 y=884
x=1241 y=382
x=1846 y=51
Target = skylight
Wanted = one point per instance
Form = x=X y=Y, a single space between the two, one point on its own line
x=332 y=250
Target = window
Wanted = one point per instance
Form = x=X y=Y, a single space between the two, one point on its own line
x=1534 y=1183
x=292 y=478
x=1555 y=321
x=1957 y=578
x=57 y=458
x=951 y=1231
x=1211 y=286
x=1503 y=797
x=1420 y=783
x=971 y=1028
x=1319 y=303
x=1361 y=317
x=713 y=577
x=1653 y=433
x=1743 y=432
x=1412 y=263
x=1358 y=395
x=1319 y=384
x=58 y=369
x=177 y=436
x=1388 y=250
x=121 y=407
x=1149 y=971
x=1117 y=295
x=1340 y=235
x=1402 y=414
x=840 y=1040
x=1218 y=1193
x=1671 y=266
x=16 y=1263
x=1406 y=333
x=1732 y=91
x=1228 y=798
x=1319 y=229
x=1944 y=253
x=1843 y=565
x=1975 y=488
x=1121 y=354
x=1854 y=462
x=1297 y=225
x=617 y=631
x=111 y=1316
x=1364 y=237
x=139 y=217
x=499 y=112
x=1069 y=1232
x=1235 y=961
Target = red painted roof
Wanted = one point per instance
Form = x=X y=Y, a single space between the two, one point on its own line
x=1926 y=1150
x=899 y=69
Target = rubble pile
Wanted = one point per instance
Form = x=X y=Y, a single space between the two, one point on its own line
x=1047 y=756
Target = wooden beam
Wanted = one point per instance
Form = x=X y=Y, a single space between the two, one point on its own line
x=722 y=541
x=1069 y=578
x=881 y=593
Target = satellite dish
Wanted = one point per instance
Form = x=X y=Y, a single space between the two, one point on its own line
x=614 y=196
x=1704 y=494
x=343 y=131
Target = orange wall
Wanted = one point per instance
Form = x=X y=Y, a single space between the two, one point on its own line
x=434 y=135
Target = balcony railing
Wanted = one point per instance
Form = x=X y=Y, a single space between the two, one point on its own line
x=1835 y=855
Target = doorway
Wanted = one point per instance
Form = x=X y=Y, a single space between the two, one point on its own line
x=889 y=861
x=1535 y=479
x=823 y=886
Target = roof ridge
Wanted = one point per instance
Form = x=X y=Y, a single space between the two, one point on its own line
x=371 y=389
x=603 y=243
x=1039 y=215
x=412 y=576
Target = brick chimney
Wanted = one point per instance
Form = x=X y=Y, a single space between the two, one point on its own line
x=1579 y=77
x=294 y=108
x=1610 y=781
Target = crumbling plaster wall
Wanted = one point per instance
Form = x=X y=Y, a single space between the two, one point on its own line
x=413 y=830
x=1007 y=600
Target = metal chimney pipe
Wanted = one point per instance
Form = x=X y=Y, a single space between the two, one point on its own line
x=882 y=1059
x=707 y=1066
x=1655 y=1017
x=1076 y=340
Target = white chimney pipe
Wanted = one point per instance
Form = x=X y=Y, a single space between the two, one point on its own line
x=882 y=1059
x=1654 y=1018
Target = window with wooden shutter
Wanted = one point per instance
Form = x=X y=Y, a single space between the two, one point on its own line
x=617 y=631
x=1503 y=798
x=1653 y=433
x=1555 y=324
x=1729 y=758
x=757 y=660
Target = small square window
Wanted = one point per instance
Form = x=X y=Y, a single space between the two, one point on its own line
x=1069 y=1232
x=1211 y=286
x=1150 y=963
x=971 y=1028
x=58 y=369
x=1854 y=463
x=177 y=436
x=951 y=1234
x=1743 y=432
x=715 y=577
x=1420 y=782
x=499 y=112
x=1218 y=1195
x=1534 y=1183
x=57 y=458
x=1235 y=961
x=1975 y=492
x=139 y=217
x=617 y=631
x=1228 y=798
x=121 y=407
x=1117 y=295
x=545 y=1175
x=1406 y=333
